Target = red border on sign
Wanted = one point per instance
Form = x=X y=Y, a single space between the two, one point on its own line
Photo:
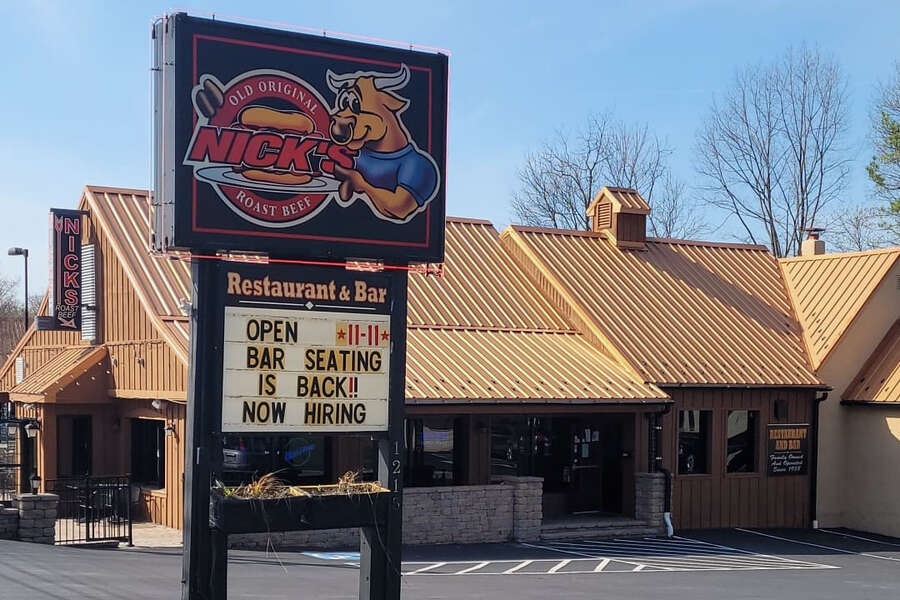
x=194 y=81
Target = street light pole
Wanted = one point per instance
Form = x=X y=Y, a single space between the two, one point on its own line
x=16 y=251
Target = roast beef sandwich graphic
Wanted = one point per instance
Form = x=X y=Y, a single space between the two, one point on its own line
x=277 y=154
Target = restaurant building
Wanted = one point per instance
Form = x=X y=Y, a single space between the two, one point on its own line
x=558 y=383
x=849 y=306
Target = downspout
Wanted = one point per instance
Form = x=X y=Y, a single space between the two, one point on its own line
x=656 y=466
x=814 y=462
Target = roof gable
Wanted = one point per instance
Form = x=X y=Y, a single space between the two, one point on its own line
x=481 y=287
x=879 y=379
x=496 y=337
x=160 y=281
x=681 y=313
x=828 y=291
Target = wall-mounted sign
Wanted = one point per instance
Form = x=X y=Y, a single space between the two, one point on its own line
x=65 y=270
x=305 y=350
x=788 y=449
x=297 y=145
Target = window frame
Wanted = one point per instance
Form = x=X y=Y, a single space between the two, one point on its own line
x=710 y=422
x=757 y=463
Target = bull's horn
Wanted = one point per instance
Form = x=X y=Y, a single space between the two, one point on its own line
x=336 y=82
x=394 y=81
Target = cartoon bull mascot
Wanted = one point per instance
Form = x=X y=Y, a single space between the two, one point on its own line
x=391 y=173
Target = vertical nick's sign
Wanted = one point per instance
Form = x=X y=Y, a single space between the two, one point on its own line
x=65 y=269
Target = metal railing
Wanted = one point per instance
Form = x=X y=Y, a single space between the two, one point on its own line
x=92 y=509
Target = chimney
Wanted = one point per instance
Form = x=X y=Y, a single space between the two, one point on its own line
x=620 y=214
x=812 y=245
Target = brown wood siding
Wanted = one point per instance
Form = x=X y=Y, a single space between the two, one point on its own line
x=628 y=227
x=737 y=499
x=163 y=507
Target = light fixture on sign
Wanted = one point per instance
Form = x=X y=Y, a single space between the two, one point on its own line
x=370 y=266
x=157 y=404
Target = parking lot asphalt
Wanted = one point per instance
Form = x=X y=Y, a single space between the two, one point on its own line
x=698 y=565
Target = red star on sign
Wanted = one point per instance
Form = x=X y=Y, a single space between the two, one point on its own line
x=342 y=333
x=385 y=335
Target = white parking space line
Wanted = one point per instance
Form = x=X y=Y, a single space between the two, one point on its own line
x=480 y=565
x=521 y=565
x=770 y=556
x=559 y=565
x=858 y=537
x=681 y=553
x=437 y=565
x=648 y=555
x=793 y=541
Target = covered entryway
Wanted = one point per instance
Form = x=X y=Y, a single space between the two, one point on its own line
x=586 y=460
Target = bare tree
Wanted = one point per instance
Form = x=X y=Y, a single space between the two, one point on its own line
x=673 y=215
x=859 y=227
x=769 y=152
x=559 y=181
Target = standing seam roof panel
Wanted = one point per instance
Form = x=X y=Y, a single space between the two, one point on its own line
x=683 y=313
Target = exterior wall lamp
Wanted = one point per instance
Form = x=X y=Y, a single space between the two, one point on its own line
x=32 y=428
x=35 y=481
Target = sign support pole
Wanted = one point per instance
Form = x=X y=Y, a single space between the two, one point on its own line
x=202 y=425
x=381 y=549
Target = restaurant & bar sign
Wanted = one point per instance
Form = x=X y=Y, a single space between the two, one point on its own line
x=305 y=356
x=788 y=449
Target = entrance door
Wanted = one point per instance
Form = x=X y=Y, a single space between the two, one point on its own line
x=587 y=468
x=74 y=445
x=597 y=466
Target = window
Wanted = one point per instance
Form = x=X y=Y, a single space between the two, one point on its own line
x=148 y=453
x=510 y=452
x=297 y=460
x=433 y=451
x=742 y=439
x=694 y=438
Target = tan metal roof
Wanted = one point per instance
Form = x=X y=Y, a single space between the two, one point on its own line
x=828 y=291
x=680 y=313
x=480 y=366
x=624 y=200
x=879 y=379
x=485 y=333
x=60 y=371
x=481 y=286
x=160 y=282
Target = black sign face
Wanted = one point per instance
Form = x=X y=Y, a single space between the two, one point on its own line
x=788 y=449
x=300 y=146
x=305 y=350
x=65 y=269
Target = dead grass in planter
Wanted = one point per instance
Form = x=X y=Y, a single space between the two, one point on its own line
x=270 y=487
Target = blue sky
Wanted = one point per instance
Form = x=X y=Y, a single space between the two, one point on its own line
x=76 y=109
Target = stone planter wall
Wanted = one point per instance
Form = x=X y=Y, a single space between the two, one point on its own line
x=507 y=510
x=31 y=519
x=9 y=523
x=649 y=499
